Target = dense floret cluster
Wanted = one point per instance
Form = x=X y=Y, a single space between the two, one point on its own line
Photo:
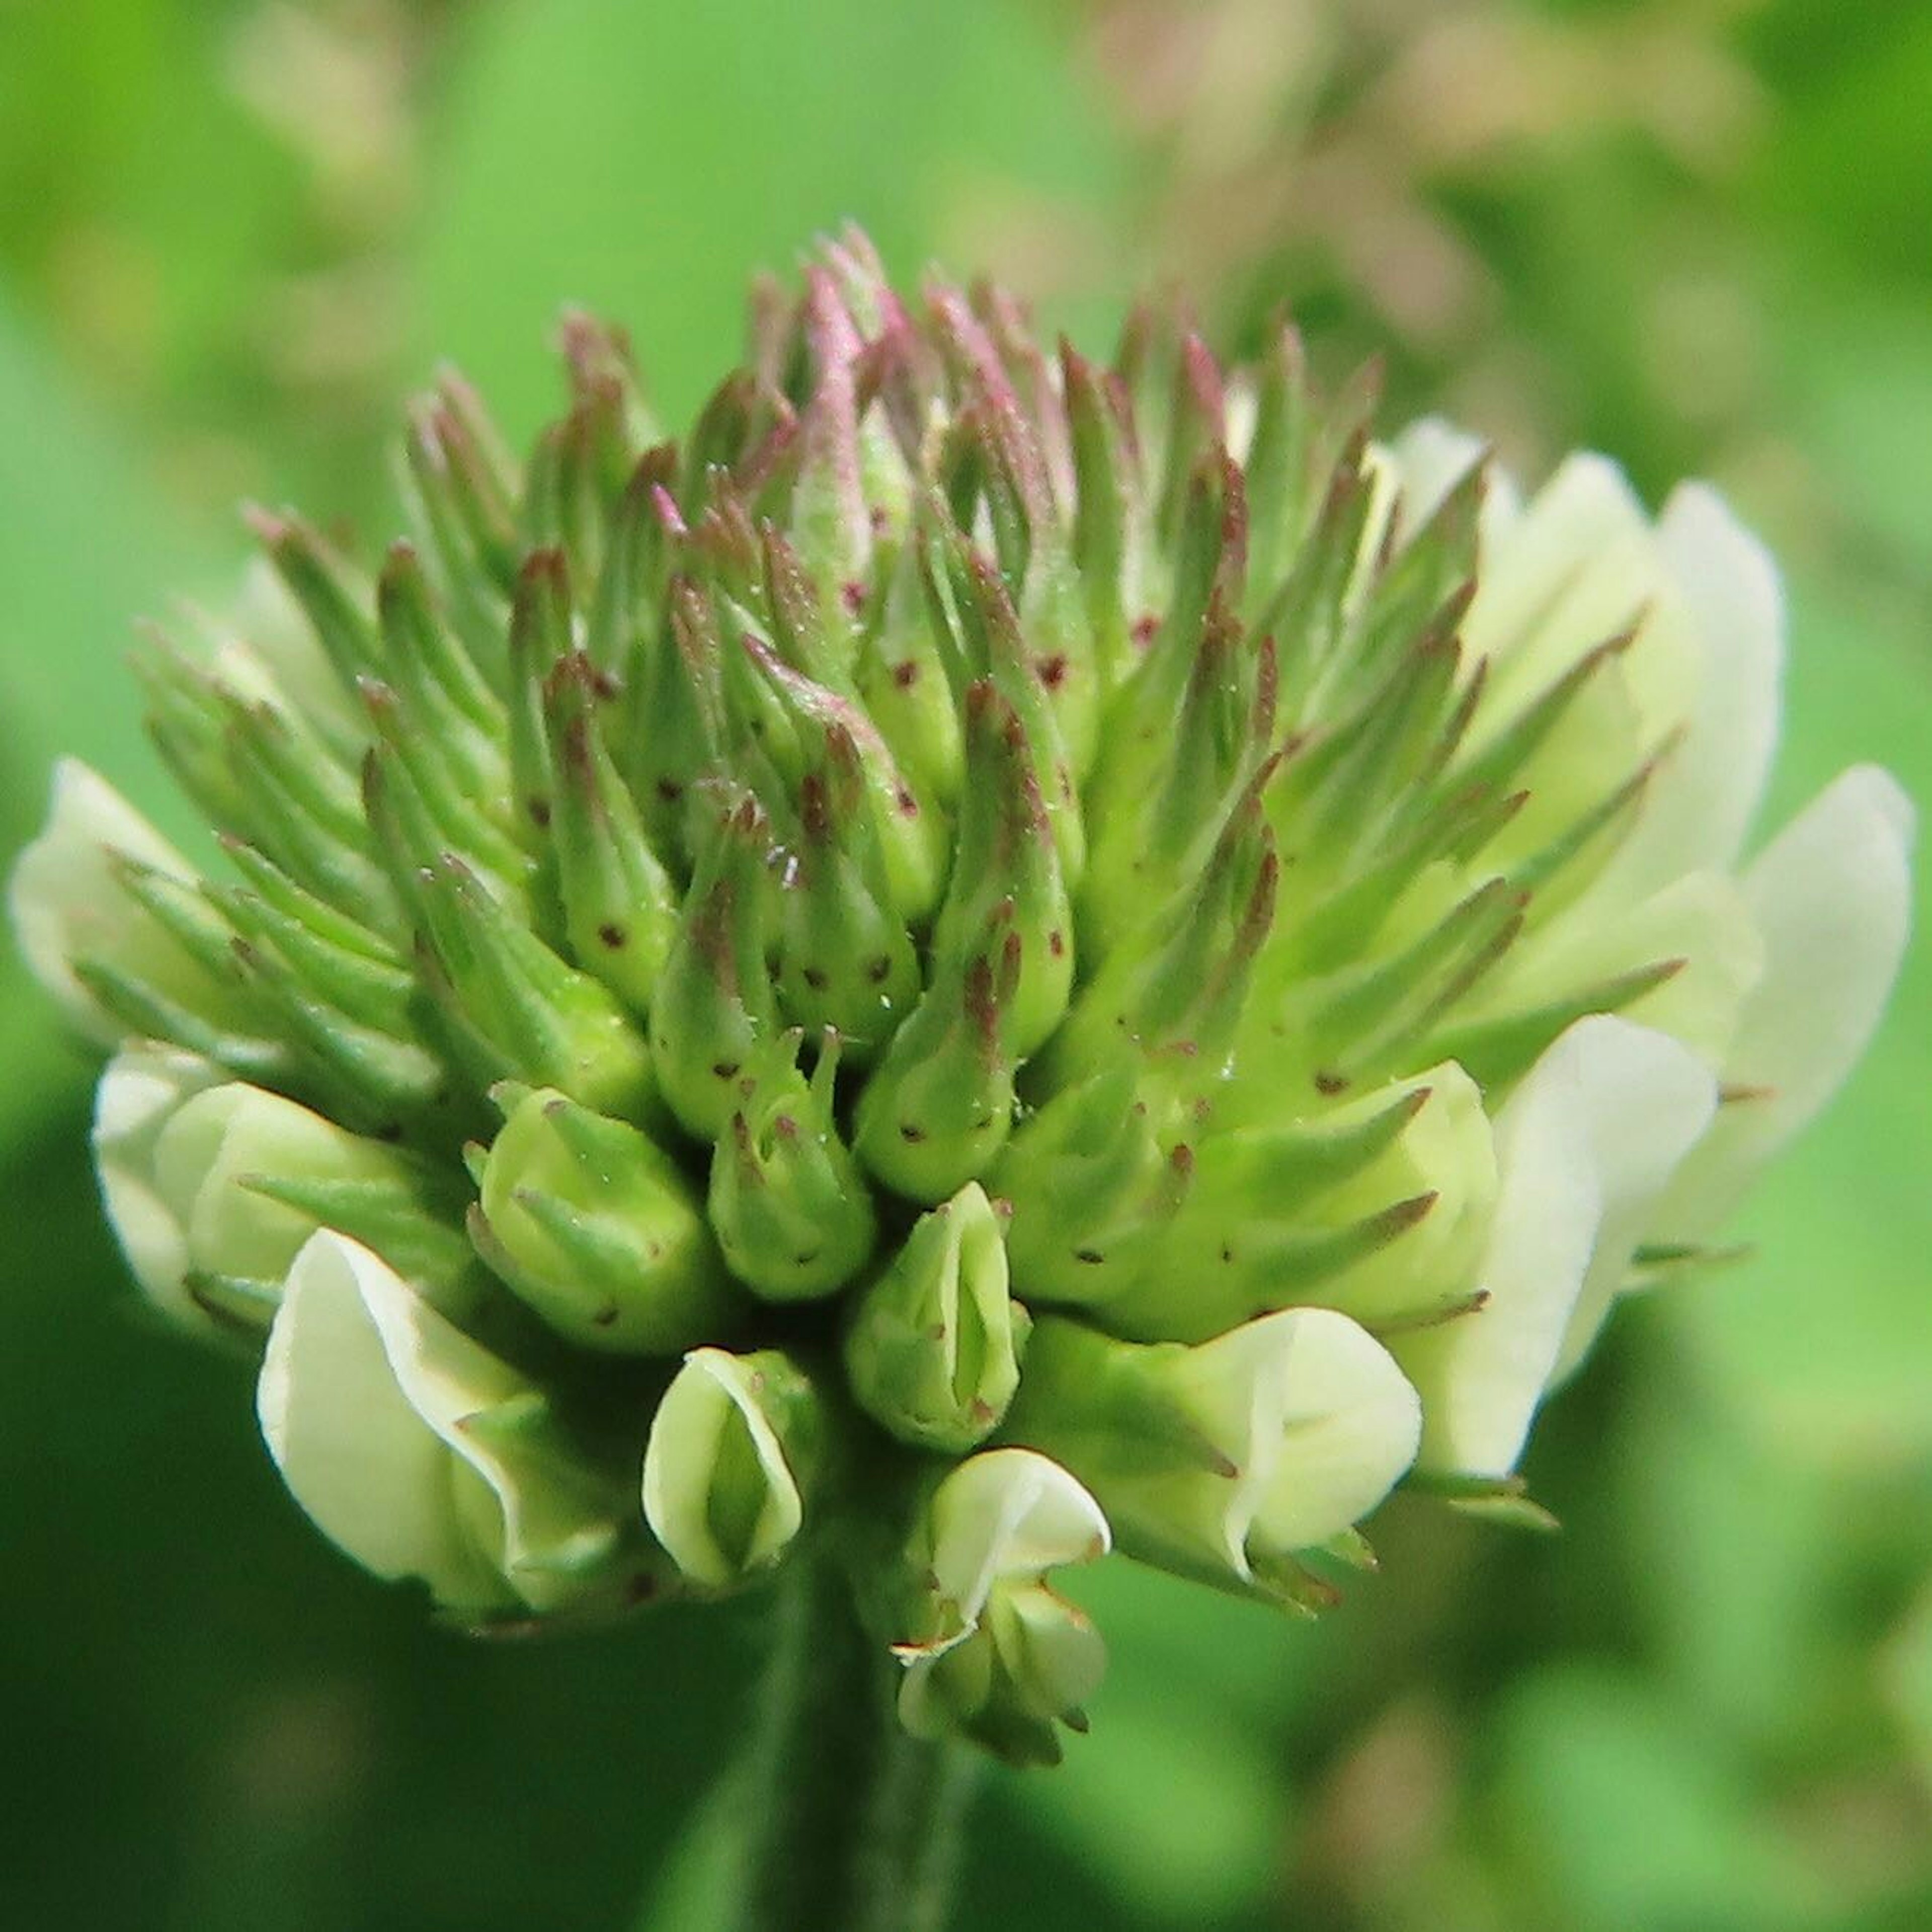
x=985 y=958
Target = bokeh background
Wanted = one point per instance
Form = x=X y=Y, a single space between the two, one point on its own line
x=233 y=233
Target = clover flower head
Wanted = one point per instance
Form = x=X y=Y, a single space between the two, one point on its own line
x=986 y=957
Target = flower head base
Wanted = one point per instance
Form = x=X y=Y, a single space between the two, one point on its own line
x=977 y=909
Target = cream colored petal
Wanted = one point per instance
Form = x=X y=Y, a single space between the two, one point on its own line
x=1723 y=593
x=64 y=898
x=363 y=1388
x=1007 y=1513
x=1430 y=457
x=1587 y=1138
x=1577 y=565
x=1832 y=898
x=712 y=1398
x=1347 y=1427
x=141 y=1090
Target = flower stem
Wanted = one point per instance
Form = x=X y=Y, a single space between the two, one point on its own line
x=853 y=1825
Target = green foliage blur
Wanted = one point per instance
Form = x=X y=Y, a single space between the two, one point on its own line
x=233 y=233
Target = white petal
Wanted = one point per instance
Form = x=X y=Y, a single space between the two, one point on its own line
x=1702 y=919
x=1723 y=589
x=1008 y=1513
x=267 y=641
x=1348 y=1426
x=1050 y=1648
x=140 y=1092
x=362 y=1393
x=1430 y=457
x=204 y=1155
x=63 y=895
x=1583 y=1145
x=1832 y=898
x=713 y=1392
x=1575 y=566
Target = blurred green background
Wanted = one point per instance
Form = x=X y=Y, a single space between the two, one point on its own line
x=233 y=233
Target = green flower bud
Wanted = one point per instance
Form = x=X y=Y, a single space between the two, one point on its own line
x=732 y=1458
x=1226 y=1459
x=794 y=1219
x=936 y=1114
x=1091 y=1190
x=213 y=1187
x=714 y=1004
x=807 y=729
x=420 y=1453
x=515 y=1011
x=933 y=1351
x=846 y=963
x=597 y=1229
x=1008 y=868
x=618 y=900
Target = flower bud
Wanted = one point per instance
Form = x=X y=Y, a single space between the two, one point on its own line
x=1007 y=858
x=1091 y=1192
x=617 y=900
x=936 y=1114
x=102 y=954
x=1157 y=816
x=713 y=1004
x=213 y=1186
x=794 y=1219
x=595 y=1227
x=804 y=727
x=933 y=1352
x=733 y=1457
x=990 y=1653
x=846 y=961
x=420 y=1453
x=1175 y=1000
x=516 y=1011
x=1223 y=1460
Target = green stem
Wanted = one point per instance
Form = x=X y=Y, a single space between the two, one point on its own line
x=854 y=1826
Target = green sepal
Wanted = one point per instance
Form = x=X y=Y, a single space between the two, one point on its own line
x=1504 y=1500
x=336 y=600
x=304 y=811
x=404 y=1217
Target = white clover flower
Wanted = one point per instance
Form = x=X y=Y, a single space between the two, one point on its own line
x=984 y=957
x=213 y=1186
x=421 y=1454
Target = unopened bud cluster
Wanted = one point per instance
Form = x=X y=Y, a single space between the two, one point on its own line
x=985 y=957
